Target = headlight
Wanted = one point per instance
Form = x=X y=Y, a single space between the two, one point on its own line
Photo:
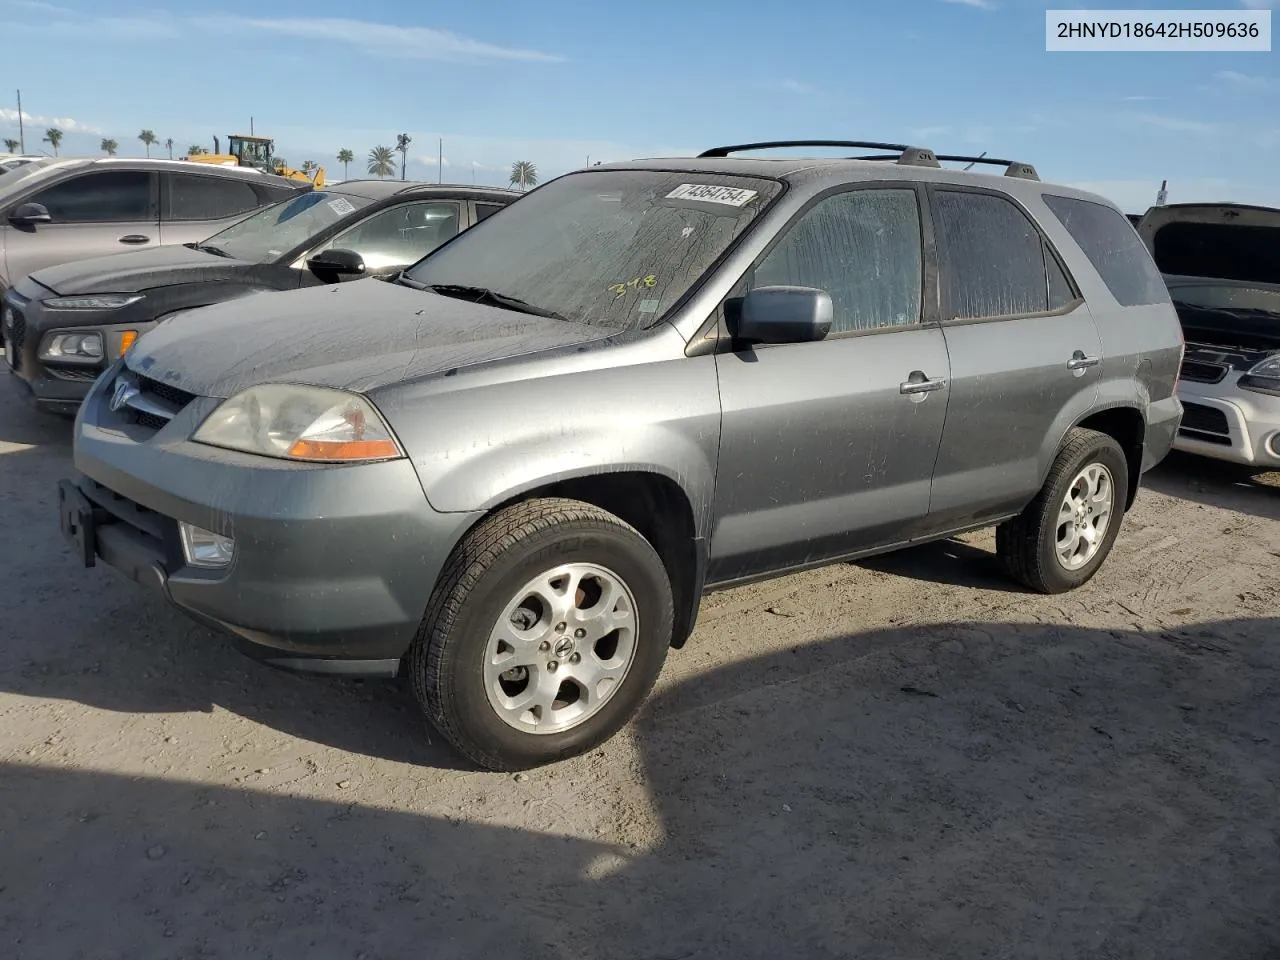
x=299 y=423
x=100 y=301
x=78 y=347
x=1264 y=376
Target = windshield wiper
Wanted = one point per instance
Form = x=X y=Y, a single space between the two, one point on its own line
x=210 y=248
x=484 y=295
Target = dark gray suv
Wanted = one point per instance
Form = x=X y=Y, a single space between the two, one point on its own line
x=516 y=479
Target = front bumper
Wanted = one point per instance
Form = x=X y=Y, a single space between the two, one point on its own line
x=1227 y=423
x=54 y=386
x=333 y=566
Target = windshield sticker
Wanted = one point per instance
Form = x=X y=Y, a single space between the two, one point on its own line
x=648 y=306
x=711 y=193
x=341 y=206
x=620 y=289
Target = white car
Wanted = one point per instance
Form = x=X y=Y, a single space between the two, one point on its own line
x=10 y=161
x=1221 y=263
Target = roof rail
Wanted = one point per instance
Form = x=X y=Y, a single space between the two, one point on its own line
x=905 y=154
x=1013 y=168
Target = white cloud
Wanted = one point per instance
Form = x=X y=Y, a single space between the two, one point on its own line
x=34 y=121
x=1176 y=124
x=418 y=43
x=38 y=6
x=788 y=85
x=1244 y=81
x=1259 y=4
x=979 y=4
x=1142 y=98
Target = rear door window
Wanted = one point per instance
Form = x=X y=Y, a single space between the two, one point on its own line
x=100 y=197
x=1113 y=247
x=193 y=197
x=992 y=257
x=484 y=210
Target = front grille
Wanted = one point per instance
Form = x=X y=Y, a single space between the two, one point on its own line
x=165 y=391
x=1205 y=423
x=75 y=373
x=1199 y=372
x=148 y=420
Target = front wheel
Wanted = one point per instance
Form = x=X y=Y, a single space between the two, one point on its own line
x=543 y=636
x=1063 y=536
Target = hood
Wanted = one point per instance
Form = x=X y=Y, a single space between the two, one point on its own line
x=139 y=270
x=358 y=335
x=1222 y=241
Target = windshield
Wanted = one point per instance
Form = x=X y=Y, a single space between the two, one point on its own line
x=613 y=248
x=11 y=178
x=274 y=231
x=1222 y=296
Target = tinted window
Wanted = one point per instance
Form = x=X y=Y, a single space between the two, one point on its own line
x=401 y=235
x=992 y=257
x=863 y=248
x=1113 y=247
x=1060 y=292
x=484 y=210
x=193 y=197
x=109 y=195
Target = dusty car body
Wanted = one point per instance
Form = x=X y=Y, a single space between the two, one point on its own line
x=640 y=382
x=1221 y=263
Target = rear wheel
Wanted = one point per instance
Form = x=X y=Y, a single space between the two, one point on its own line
x=544 y=635
x=1064 y=535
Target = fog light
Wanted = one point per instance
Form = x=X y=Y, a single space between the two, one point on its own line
x=1273 y=445
x=204 y=548
x=78 y=347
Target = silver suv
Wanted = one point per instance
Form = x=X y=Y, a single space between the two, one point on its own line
x=516 y=478
x=56 y=211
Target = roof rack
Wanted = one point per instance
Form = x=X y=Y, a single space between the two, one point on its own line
x=902 y=153
x=1013 y=168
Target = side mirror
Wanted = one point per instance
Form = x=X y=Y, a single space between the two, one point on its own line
x=784 y=315
x=330 y=266
x=29 y=214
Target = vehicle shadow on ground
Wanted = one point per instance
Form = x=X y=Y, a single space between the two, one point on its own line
x=952 y=562
x=1217 y=484
x=950 y=791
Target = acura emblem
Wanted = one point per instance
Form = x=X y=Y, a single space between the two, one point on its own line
x=123 y=392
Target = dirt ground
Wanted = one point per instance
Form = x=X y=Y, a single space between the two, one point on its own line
x=902 y=758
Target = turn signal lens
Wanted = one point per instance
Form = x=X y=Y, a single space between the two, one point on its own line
x=127 y=340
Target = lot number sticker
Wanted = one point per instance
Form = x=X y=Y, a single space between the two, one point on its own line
x=341 y=206
x=710 y=193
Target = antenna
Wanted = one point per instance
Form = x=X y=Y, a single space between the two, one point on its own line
x=980 y=156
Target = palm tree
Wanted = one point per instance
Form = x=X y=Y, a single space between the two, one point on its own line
x=382 y=162
x=402 y=144
x=147 y=137
x=345 y=156
x=524 y=174
x=196 y=150
x=109 y=146
x=12 y=145
x=53 y=137
x=169 y=146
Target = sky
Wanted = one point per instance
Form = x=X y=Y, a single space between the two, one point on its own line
x=565 y=82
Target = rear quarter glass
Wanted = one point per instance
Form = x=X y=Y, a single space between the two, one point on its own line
x=1113 y=247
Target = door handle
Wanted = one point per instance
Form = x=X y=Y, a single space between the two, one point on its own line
x=917 y=383
x=134 y=238
x=1081 y=362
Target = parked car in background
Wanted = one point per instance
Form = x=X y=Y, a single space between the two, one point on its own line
x=11 y=161
x=513 y=471
x=1221 y=263
x=69 y=322
x=57 y=211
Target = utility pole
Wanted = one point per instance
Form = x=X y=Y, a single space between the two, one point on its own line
x=22 y=139
x=251 y=126
x=440 y=163
x=1163 y=196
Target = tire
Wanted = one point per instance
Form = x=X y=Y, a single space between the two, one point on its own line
x=477 y=601
x=1028 y=545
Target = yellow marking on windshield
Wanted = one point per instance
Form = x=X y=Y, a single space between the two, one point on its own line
x=621 y=289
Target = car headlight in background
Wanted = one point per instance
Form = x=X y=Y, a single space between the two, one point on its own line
x=76 y=347
x=293 y=422
x=1264 y=376
x=99 y=301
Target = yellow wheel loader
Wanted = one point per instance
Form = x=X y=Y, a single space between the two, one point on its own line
x=250 y=151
